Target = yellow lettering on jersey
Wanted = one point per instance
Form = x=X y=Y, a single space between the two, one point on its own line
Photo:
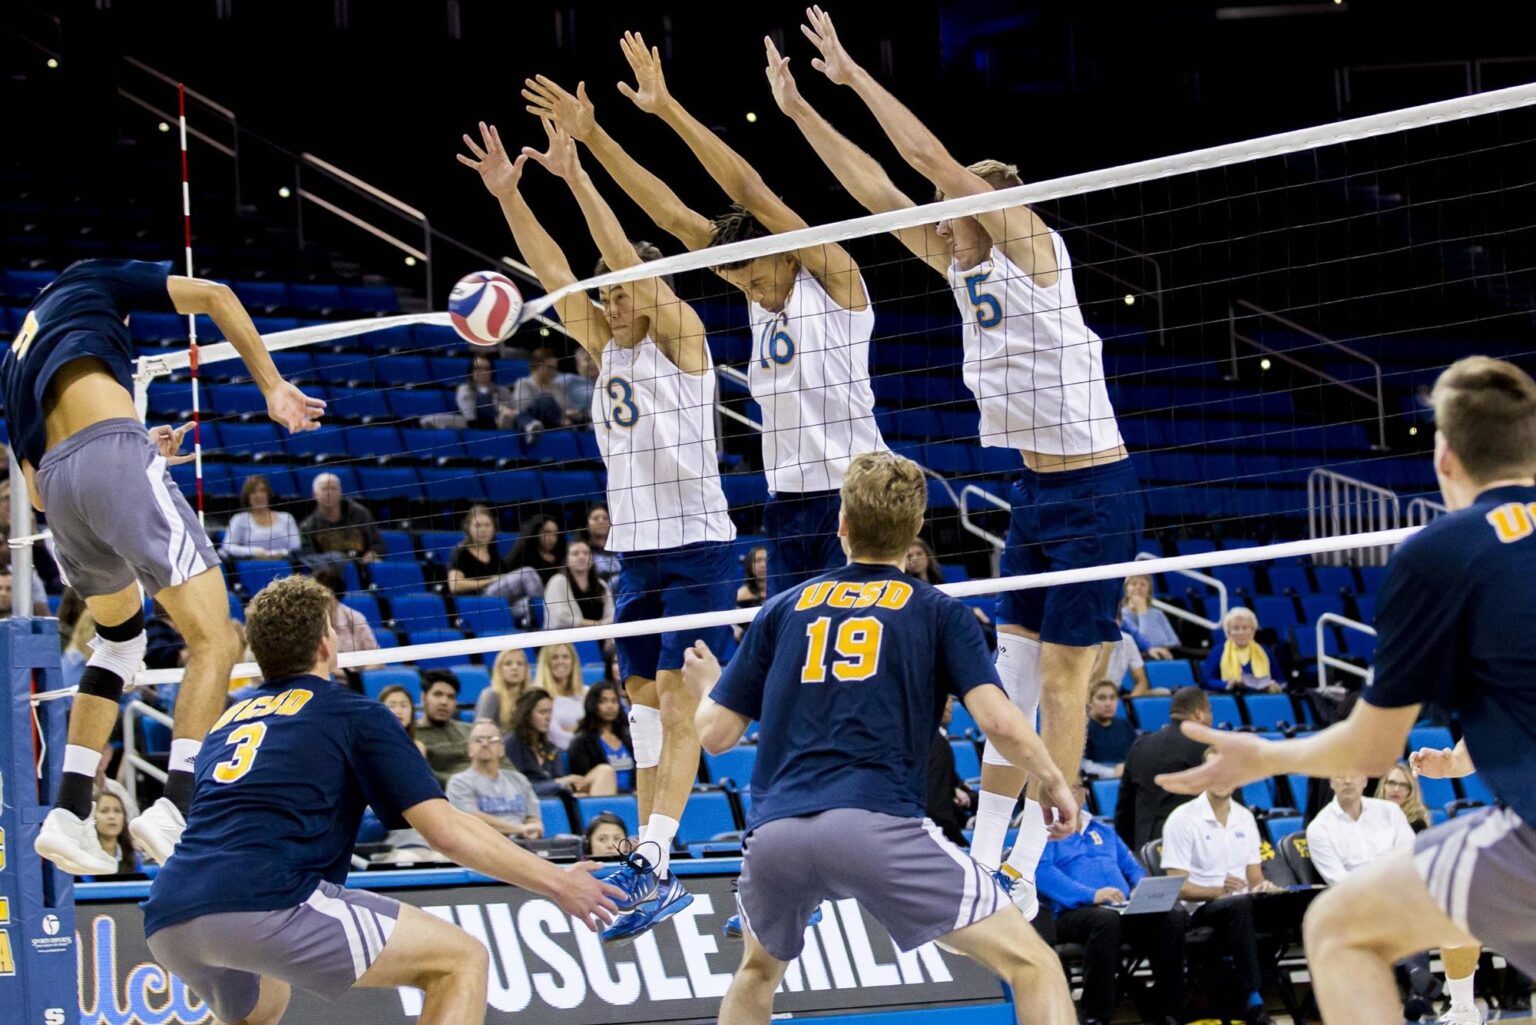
x=263 y=704
x=7 y=961
x=23 y=340
x=230 y=713
x=247 y=740
x=5 y=911
x=1512 y=521
x=896 y=595
x=293 y=700
x=2 y=850
x=843 y=595
x=813 y=595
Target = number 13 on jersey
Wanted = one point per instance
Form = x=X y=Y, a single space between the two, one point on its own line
x=857 y=641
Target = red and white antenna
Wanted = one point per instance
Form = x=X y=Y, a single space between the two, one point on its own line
x=186 y=224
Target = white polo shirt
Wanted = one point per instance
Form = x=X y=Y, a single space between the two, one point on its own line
x=1196 y=843
x=1339 y=844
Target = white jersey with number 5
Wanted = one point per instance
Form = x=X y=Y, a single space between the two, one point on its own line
x=810 y=375
x=1035 y=367
x=656 y=430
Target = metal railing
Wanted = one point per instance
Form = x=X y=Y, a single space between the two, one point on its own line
x=134 y=711
x=1184 y=614
x=1097 y=267
x=1250 y=311
x=1326 y=661
x=968 y=525
x=1339 y=505
x=1422 y=511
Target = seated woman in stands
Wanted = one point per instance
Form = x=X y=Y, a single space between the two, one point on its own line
x=1149 y=625
x=602 y=737
x=1240 y=662
x=531 y=753
x=477 y=567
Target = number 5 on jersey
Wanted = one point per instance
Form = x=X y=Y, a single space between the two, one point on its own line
x=247 y=740
x=858 y=642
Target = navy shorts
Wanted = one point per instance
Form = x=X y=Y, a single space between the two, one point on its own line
x=672 y=582
x=1071 y=520
x=323 y=945
x=802 y=537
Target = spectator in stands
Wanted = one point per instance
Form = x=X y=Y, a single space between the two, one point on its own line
x=540 y=401
x=924 y=564
x=579 y=387
x=39 y=603
x=1240 y=662
x=602 y=737
x=1143 y=806
x=531 y=753
x=339 y=528
x=1401 y=787
x=112 y=832
x=950 y=802
x=164 y=647
x=596 y=535
x=1110 y=734
x=78 y=650
x=107 y=785
x=398 y=700
x=481 y=401
x=754 y=584
x=45 y=571
x=258 y=531
x=540 y=547
x=1352 y=831
x=605 y=836
x=509 y=678
x=576 y=595
x=71 y=608
x=1214 y=842
x=352 y=630
x=440 y=731
x=1149 y=625
x=1080 y=878
x=501 y=798
x=1125 y=657
x=559 y=675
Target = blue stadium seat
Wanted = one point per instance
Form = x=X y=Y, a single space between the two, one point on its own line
x=254 y=574
x=1371 y=578
x=1106 y=795
x=1314 y=605
x=340 y=367
x=1306 y=642
x=1194 y=545
x=1170 y=673
x=435 y=637
x=375 y=680
x=420 y=611
x=967 y=761
x=1151 y=713
x=329 y=440
x=294 y=364
x=485 y=617
x=1332 y=580
x=366 y=604
x=1276 y=612
x=397 y=544
x=1259 y=795
x=707 y=815
x=246 y=440
x=1269 y=711
x=508 y=487
x=572 y=485
x=379 y=482
x=1437 y=792
x=438 y=545
x=396 y=577
x=734 y=765
x=744 y=490
x=472 y=680
x=399 y=369
x=234 y=399
x=557 y=818
x=557 y=446
x=23 y=285
x=1283 y=825
x=1474 y=789
x=236 y=609
x=622 y=805
x=1436 y=737
x=1237 y=578
x=375 y=440
x=360 y=402
x=950 y=459
x=257 y=296
x=1366 y=605
x=492 y=445
x=1300 y=787
x=157 y=327
x=938 y=496
x=1224 y=710
x=415 y=403
x=1360 y=645
x=452 y=484
x=449 y=371
x=370 y=298
x=1284 y=579
x=322 y=299
x=434 y=443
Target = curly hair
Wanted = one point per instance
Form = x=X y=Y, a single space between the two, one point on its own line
x=736 y=225
x=285 y=623
x=884 y=498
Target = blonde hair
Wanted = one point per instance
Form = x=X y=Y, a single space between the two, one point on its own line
x=1486 y=409
x=1413 y=807
x=884 y=498
x=575 y=686
x=1125 y=593
x=505 y=693
x=994 y=172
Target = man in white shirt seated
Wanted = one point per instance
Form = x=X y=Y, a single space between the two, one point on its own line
x=1351 y=832
x=1214 y=842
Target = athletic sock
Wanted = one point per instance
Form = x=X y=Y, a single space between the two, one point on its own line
x=78 y=781
x=1030 y=844
x=993 y=811
x=661 y=830
x=178 y=784
x=1461 y=992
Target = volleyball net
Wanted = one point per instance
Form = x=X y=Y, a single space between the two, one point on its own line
x=1270 y=316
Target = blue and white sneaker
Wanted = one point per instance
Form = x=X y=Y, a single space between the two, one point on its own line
x=648 y=901
x=1019 y=890
x=732 y=927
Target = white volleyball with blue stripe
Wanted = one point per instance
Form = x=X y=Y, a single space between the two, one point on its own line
x=484 y=307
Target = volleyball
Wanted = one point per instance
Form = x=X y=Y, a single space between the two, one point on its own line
x=484 y=307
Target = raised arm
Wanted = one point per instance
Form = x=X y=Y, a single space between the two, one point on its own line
x=830 y=263
x=675 y=326
x=1018 y=230
x=501 y=176
x=575 y=115
x=854 y=169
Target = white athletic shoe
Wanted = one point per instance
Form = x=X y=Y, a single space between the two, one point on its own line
x=1462 y=1016
x=158 y=830
x=70 y=842
x=1020 y=890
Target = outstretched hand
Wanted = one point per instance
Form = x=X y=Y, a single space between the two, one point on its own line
x=560 y=159
x=1238 y=759
x=289 y=406
x=834 y=61
x=571 y=114
x=1059 y=808
x=785 y=92
x=587 y=898
x=498 y=172
x=649 y=92
x=1433 y=763
x=168 y=440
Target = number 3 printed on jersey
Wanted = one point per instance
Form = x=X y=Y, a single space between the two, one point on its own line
x=858 y=642
x=623 y=412
x=247 y=740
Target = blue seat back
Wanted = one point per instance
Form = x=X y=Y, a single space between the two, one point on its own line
x=734 y=765
x=706 y=816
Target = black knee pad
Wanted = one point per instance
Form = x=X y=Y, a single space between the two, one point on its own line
x=124 y=631
x=101 y=683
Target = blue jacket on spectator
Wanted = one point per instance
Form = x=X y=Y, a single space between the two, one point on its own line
x=1151 y=628
x=1073 y=870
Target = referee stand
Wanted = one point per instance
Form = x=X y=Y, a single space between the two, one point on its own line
x=38 y=968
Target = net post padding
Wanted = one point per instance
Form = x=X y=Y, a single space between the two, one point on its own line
x=970 y=588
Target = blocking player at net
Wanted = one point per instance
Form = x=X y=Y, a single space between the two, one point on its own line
x=848 y=675
x=810 y=313
x=1452 y=618
x=653 y=407
x=1037 y=372
x=282 y=784
x=119 y=522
